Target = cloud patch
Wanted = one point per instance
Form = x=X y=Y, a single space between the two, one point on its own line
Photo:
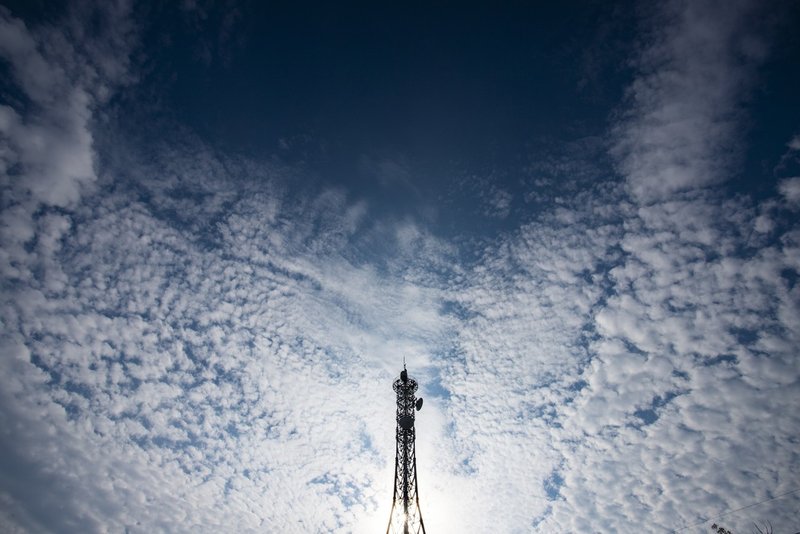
x=681 y=126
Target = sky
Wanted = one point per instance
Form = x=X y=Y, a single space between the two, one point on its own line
x=223 y=225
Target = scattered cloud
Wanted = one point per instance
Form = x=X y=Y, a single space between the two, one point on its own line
x=681 y=125
x=390 y=171
x=790 y=189
x=189 y=345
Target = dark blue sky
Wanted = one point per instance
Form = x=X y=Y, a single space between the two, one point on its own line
x=441 y=82
x=399 y=104
x=443 y=91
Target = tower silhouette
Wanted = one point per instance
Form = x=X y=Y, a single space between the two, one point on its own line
x=405 y=517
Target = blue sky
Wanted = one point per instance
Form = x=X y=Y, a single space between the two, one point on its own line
x=223 y=226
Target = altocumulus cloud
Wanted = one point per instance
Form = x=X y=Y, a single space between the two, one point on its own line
x=189 y=345
x=189 y=361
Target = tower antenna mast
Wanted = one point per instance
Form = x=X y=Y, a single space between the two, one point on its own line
x=405 y=517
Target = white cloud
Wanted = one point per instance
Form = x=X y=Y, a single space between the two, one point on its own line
x=790 y=189
x=224 y=371
x=683 y=348
x=390 y=171
x=192 y=348
x=49 y=151
x=682 y=123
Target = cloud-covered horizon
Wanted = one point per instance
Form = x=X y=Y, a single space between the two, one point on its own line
x=201 y=340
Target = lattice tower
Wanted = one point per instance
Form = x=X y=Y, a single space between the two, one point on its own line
x=405 y=517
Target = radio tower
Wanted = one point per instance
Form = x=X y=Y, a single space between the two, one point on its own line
x=405 y=517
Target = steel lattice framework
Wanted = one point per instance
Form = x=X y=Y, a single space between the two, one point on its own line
x=405 y=517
